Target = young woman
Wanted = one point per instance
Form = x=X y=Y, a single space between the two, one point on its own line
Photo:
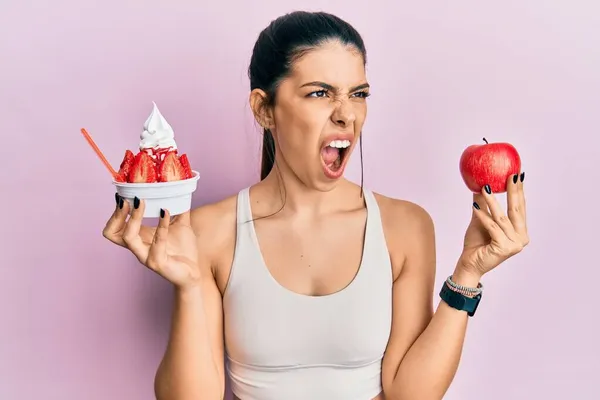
x=305 y=285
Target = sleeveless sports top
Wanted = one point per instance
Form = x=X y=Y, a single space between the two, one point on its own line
x=282 y=345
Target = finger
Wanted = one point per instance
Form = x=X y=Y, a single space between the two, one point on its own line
x=515 y=208
x=497 y=213
x=522 y=196
x=491 y=226
x=115 y=224
x=480 y=200
x=147 y=234
x=525 y=235
x=131 y=235
x=157 y=255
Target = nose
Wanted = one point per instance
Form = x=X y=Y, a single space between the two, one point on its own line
x=343 y=115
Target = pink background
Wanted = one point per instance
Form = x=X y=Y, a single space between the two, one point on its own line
x=81 y=320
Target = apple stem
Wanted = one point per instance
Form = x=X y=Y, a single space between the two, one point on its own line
x=485 y=140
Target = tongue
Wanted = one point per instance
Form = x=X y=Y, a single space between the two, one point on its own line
x=330 y=154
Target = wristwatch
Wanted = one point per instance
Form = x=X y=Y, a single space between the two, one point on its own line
x=460 y=301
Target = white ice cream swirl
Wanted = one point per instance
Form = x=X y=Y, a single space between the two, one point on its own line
x=157 y=134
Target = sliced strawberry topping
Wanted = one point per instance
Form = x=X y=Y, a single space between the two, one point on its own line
x=126 y=165
x=154 y=165
x=185 y=163
x=170 y=169
x=143 y=169
x=120 y=178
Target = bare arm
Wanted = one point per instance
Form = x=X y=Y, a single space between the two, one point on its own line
x=424 y=350
x=183 y=252
x=425 y=347
x=192 y=367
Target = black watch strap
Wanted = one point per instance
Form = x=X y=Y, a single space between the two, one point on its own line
x=460 y=301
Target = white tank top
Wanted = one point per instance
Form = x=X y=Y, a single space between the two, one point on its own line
x=282 y=345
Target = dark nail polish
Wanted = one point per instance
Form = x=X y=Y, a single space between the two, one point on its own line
x=476 y=205
x=162 y=213
x=121 y=202
x=522 y=176
x=117 y=198
x=488 y=189
x=515 y=178
x=136 y=202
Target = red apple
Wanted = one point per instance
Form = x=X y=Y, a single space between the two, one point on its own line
x=489 y=163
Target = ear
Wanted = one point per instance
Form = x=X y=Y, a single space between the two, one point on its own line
x=258 y=104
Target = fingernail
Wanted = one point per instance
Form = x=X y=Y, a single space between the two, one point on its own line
x=476 y=205
x=121 y=202
x=162 y=213
x=515 y=178
x=136 y=202
x=522 y=176
x=488 y=189
x=117 y=198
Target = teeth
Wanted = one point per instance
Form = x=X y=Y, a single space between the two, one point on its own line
x=340 y=144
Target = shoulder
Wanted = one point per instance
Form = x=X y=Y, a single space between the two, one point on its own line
x=215 y=227
x=213 y=217
x=403 y=216
x=408 y=229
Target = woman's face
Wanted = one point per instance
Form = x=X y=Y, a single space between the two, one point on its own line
x=319 y=112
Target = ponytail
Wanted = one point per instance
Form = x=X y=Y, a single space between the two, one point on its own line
x=268 y=154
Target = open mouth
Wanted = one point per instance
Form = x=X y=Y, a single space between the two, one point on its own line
x=334 y=157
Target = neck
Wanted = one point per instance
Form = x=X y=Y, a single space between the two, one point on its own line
x=285 y=189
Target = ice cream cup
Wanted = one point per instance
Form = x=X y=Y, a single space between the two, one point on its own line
x=175 y=197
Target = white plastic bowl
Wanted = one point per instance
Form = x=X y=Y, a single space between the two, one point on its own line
x=175 y=197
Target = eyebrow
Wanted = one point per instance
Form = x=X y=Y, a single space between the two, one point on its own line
x=333 y=88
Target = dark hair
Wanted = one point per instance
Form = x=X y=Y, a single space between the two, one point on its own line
x=285 y=40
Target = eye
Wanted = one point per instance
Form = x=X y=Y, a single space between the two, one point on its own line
x=361 y=95
x=318 y=93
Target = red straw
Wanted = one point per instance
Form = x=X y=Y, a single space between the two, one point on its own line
x=99 y=154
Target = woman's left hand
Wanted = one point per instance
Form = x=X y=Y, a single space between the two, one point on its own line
x=494 y=236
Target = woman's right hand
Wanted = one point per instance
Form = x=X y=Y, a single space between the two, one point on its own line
x=170 y=249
